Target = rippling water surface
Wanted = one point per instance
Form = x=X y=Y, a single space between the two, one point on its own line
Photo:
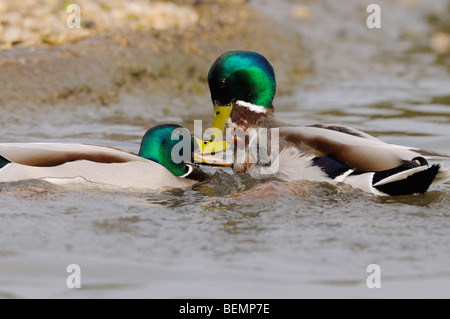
x=233 y=237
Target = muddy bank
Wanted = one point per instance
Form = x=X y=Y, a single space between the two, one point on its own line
x=97 y=69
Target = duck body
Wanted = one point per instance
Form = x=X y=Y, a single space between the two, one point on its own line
x=334 y=154
x=106 y=167
x=319 y=152
x=66 y=164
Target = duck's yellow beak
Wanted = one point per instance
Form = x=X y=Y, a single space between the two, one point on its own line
x=201 y=155
x=208 y=147
x=211 y=160
x=221 y=114
x=217 y=145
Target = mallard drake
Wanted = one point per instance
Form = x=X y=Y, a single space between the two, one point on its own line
x=162 y=162
x=243 y=86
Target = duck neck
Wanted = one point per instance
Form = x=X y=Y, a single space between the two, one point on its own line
x=194 y=173
x=248 y=115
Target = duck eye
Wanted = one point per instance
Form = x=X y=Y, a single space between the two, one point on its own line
x=217 y=113
x=223 y=83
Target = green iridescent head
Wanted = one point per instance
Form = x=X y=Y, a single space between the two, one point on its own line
x=242 y=75
x=170 y=145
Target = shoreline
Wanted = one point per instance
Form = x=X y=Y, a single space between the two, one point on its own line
x=96 y=70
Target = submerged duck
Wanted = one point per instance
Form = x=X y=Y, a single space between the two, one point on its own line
x=153 y=168
x=243 y=86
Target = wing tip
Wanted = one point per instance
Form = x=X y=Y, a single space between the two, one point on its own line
x=430 y=153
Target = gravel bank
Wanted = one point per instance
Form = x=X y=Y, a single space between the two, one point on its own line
x=174 y=58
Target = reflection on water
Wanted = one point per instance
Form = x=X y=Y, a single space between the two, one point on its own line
x=232 y=236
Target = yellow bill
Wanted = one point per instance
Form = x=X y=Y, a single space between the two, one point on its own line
x=218 y=144
x=205 y=148
x=221 y=114
x=208 y=147
x=211 y=160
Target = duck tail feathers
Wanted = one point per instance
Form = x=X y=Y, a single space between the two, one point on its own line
x=408 y=181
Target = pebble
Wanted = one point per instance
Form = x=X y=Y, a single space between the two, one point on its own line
x=301 y=12
x=440 y=42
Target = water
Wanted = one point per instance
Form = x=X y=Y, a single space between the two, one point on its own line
x=233 y=237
